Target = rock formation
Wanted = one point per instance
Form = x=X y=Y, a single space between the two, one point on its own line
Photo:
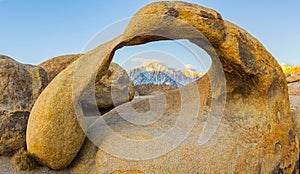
x=57 y=64
x=20 y=86
x=256 y=132
x=236 y=118
x=54 y=135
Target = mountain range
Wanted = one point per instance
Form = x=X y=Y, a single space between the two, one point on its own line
x=158 y=74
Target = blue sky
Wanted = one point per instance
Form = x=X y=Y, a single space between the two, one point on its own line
x=33 y=31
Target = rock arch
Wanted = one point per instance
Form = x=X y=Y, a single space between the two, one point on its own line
x=256 y=133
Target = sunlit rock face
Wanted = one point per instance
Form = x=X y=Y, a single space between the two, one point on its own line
x=53 y=133
x=253 y=132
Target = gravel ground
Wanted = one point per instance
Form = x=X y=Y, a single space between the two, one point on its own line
x=6 y=167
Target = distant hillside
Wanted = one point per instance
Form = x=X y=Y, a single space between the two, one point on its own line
x=155 y=73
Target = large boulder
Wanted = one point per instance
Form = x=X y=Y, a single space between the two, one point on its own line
x=20 y=86
x=254 y=132
x=54 y=135
x=57 y=64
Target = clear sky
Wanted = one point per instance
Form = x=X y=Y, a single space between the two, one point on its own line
x=33 y=31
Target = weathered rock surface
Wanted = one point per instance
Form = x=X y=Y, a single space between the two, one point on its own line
x=20 y=86
x=53 y=134
x=256 y=132
x=293 y=78
x=57 y=64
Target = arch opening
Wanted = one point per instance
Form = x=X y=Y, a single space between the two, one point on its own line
x=191 y=98
x=160 y=66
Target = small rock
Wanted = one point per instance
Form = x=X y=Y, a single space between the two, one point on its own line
x=293 y=78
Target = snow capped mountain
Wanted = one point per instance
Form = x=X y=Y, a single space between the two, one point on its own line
x=155 y=73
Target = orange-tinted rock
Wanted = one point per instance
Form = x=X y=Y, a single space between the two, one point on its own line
x=53 y=134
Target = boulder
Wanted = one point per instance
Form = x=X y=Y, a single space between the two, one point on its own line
x=188 y=130
x=293 y=78
x=54 y=135
x=113 y=88
x=20 y=86
x=57 y=64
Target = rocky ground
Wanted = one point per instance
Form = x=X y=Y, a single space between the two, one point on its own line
x=7 y=167
x=150 y=89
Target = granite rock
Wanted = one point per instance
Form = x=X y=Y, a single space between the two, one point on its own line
x=20 y=85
